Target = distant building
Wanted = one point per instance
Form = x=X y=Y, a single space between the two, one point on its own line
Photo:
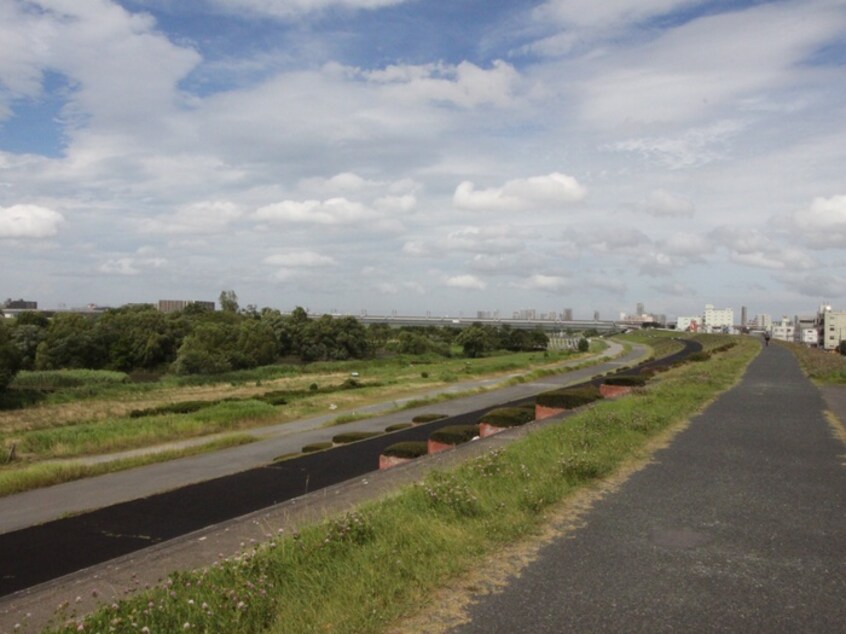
x=717 y=319
x=688 y=324
x=596 y=315
x=20 y=304
x=743 y=316
x=175 y=305
x=784 y=330
x=568 y=314
x=834 y=328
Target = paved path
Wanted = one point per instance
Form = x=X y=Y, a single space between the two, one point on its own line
x=738 y=526
x=42 y=505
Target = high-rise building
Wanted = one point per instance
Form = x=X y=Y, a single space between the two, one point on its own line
x=568 y=314
x=743 y=316
x=640 y=309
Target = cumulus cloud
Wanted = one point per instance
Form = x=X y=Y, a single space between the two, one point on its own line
x=538 y=192
x=751 y=247
x=664 y=204
x=497 y=239
x=466 y=282
x=29 y=221
x=548 y=283
x=335 y=211
x=823 y=223
x=204 y=217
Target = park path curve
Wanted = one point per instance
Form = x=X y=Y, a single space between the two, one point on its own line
x=738 y=526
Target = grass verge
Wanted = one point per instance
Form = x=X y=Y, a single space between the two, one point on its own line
x=362 y=571
x=49 y=473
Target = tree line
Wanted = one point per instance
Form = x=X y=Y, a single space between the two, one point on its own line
x=201 y=341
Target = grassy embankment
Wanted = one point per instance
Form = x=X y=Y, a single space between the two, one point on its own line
x=819 y=365
x=91 y=413
x=362 y=571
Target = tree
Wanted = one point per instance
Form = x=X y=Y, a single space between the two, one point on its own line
x=228 y=301
x=9 y=357
x=473 y=340
x=71 y=343
x=584 y=345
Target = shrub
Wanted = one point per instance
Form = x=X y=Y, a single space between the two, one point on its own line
x=277 y=397
x=407 y=449
x=424 y=375
x=699 y=356
x=313 y=387
x=509 y=416
x=569 y=397
x=427 y=418
x=455 y=434
x=397 y=426
x=627 y=380
x=350 y=384
x=317 y=446
x=351 y=436
x=185 y=407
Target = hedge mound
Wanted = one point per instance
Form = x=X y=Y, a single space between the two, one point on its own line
x=427 y=418
x=407 y=449
x=397 y=426
x=317 y=446
x=627 y=380
x=455 y=434
x=508 y=416
x=185 y=407
x=569 y=397
x=352 y=436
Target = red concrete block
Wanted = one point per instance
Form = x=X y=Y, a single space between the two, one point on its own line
x=386 y=462
x=542 y=411
x=435 y=446
x=486 y=430
x=614 y=391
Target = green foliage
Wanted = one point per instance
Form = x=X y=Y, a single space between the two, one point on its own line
x=398 y=427
x=317 y=446
x=353 y=436
x=698 y=357
x=407 y=449
x=184 y=407
x=10 y=357
x=568 y=397
x=228 y=301
x=474 y=341
x=427 y=418
x=627 y=380
x=509 y=416
x=584 y=345
x=455 y=434
x=49 y=380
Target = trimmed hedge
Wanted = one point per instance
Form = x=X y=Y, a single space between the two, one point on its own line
x=407 y=449
x=509 y=416
x=627 y=380
x=317 y=446
x=699 y=356
x=427 y=418
x=455 y=434
x=569 y=397
x=397 y=426
x=352 y=436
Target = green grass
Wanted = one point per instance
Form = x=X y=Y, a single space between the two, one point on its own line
x=362 y=571
x=819 y=365
x=16 y=478
x=58 y=379
x=130 y=433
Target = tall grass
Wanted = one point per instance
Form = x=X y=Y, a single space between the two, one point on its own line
x=818 y=364
x=361 y=571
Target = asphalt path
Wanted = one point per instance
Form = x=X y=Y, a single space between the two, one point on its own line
x=42 y=552
x=738 y=526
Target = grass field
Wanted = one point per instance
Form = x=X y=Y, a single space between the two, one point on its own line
x=91 y=413
x=819 y=365
x=363 y=571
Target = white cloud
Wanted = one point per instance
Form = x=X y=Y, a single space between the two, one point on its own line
x=692 y=148
x=335 y=211
x=466 y=282
x=300 y=259
x=130 y=265
x=687 y=245
x=29 y=221
x=496 y=239
x=205 y=217
x=823 y=223
x=538 y=192
x=287 y=9
x=549 y=283
x=661 y=203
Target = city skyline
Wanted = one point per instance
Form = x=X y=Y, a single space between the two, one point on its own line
x=446 y=157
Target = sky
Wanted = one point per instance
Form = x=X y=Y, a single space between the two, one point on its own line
x=425 y=156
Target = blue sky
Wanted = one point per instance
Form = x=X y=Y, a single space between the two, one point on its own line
x=422 y=156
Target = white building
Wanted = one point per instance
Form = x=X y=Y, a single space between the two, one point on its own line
x=784 y=330
x=688 y=324
x=717 y=319
x=834 y=329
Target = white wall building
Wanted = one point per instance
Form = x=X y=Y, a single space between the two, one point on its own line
x=717 y=319
x=688 y=324
x=784 y=330
x=834 y=329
